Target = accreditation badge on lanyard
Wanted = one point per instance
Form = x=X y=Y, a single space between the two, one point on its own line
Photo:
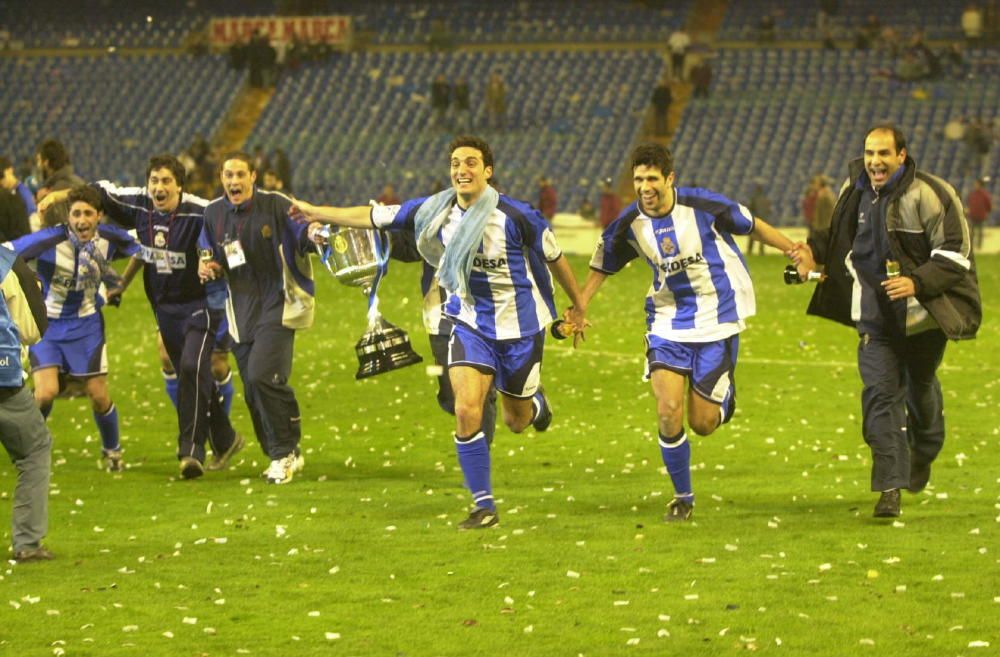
x=162 y=261
x=234 y=254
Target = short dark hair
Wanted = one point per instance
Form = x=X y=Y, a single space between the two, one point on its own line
x=54 y=153
x=238 y=155
x=653 y=155
x=897 y=135
x=470 y=141
x=86 y=194
x=5 y=163
x=169 y=162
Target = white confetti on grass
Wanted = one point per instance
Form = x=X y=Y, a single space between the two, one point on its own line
x=979 y=644
x=332 y=636
x=572 y=574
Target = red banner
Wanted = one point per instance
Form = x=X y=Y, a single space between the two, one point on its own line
x=333 y=30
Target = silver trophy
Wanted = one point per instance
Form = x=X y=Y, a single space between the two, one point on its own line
x=359 y=258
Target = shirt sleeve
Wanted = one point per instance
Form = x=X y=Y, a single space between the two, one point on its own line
x=121 y=204
x=542 y=239
x=729 y=215
x=396 y=217
x=612 y=251
x=121 y=241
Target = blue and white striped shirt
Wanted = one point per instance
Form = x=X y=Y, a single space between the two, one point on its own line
x=510 y=282
x=701 y=289
x=72 y=294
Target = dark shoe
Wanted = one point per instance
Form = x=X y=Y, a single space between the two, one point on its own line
x=33 y=554
x=920 y=474
x=191 y=468
x=888 y=504
x=544 y=417
x=481 y=518
x=219 y=462
x=679 y=509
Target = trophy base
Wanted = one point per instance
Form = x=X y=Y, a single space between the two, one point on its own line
x=384 y=348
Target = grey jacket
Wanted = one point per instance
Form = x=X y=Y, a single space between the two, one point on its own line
x=928 y=235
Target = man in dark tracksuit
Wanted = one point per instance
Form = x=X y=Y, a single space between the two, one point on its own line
x=168 y=223
x=264 y=255
x=899 y=267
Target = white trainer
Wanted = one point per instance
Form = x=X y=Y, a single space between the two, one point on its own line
x=281 y=470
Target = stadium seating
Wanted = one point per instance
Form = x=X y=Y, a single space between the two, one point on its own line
x=107 y=23
x=361 y=120
x=113 y=112
x=798 y=20
x=151 y=24
x=778 y=116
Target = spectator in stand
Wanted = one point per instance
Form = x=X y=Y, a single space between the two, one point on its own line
x=260 y=159
x=10 y=182
x=662 y=97
x=930 y=61
x=440 y=99
x=55 y=172
x=809 y=203
x=972 y=23
x=610 y=204
x=911 y=68
x=888 y=42
x=678 y=43
x=824 y=204
x=868 y=33
x=496 y=101
x=759 y=206
x=955 y=61
x=978 y=139
x=389 y=196
x=463 y=113
x=548 y=200
x=239 y=54
x=980 y=205
x=701 y=78
x=766 y=29
x=283 y=167
x=273 y=181
x=587 y=211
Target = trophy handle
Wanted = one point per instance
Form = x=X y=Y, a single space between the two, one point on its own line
x=383 y=247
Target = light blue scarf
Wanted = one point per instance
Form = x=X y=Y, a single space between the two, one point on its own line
x=454 y=263
x=93 y=265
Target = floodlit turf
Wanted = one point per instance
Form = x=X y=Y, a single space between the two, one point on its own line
x=360 y=555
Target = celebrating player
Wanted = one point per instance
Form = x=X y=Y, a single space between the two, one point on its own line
x=73 y=266
x=494 y=255
x=696 y=307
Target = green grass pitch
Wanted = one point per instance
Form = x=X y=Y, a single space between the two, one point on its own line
x=360 y=554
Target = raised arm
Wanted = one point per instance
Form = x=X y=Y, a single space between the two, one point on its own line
x=356 y=217
x=768 y=234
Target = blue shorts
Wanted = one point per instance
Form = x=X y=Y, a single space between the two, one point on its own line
x=515 y=364
x=710 y=366
x=81 y=357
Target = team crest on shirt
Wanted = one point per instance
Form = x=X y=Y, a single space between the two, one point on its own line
x=667 y=246
x=160 y=239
